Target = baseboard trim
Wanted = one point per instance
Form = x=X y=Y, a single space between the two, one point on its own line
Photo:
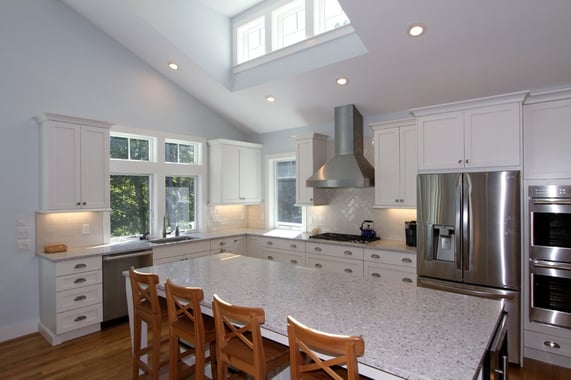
x=19 y=329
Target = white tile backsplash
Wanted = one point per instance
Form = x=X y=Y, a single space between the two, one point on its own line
x=67 y=228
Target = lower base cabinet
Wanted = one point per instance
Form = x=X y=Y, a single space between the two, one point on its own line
x=282 y=250
x=232 y=244
x=169 y=253
x=390 y=266
x=547 y=347
x=71 y=298
x=335 y=258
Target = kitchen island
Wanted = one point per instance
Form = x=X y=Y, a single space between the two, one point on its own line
x=409 y=332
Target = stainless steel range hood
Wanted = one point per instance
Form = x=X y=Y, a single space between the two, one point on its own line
x=348 y=168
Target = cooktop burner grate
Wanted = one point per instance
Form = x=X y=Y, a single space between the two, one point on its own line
x=344 y=237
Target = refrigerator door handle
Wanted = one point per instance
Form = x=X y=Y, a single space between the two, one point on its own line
x=494 y=294
x=466 y=202
x=459 y=223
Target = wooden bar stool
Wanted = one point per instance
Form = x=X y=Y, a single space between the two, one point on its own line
x=146 y=308
x=239 y=342
x=188 y=325
x=305 y=344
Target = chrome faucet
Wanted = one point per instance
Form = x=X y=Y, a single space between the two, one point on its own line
x=166 y=225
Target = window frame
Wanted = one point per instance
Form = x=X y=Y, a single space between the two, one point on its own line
x=157 y=168
x=272 y=216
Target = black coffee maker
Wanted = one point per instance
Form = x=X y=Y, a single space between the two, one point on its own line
x=410 y=233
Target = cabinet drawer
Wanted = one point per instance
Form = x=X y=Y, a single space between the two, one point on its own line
x=79 y=318
x=389 y=273
x=180 y=249
x=80 y=280
x=290 y=257
x=547 y=343
x=76 y=298
x=335 y=264
x=391 y=257
x=287 y=244
x=223 y=243
x=87 y=264
x=341 y=251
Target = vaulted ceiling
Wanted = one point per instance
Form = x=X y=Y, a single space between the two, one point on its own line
x=470 y=49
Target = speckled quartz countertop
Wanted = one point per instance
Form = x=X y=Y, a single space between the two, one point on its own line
x=409 y=332
x=139 y=245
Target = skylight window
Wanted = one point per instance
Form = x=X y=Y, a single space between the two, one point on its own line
x=285 y=23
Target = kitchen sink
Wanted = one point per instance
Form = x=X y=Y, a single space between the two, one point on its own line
x=171 y=239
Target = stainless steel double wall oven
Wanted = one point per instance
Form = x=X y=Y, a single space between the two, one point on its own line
x=550 y=254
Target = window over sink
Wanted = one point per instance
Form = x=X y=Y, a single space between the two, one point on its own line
x=284 y=213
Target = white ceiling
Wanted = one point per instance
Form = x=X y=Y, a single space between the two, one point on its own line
x=470 y=49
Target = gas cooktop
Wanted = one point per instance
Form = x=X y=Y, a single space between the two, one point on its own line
x=344 y=237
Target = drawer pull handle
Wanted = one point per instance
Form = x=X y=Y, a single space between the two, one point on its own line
x=293 y=246
x=318 y=265
x=317 y=249
x=222 y=243
x=375 y=256
x=406 y=279
x=80 y=266
x=79 y=280
x=270 y=257
x=79 y=298
x=407 y=260
x=348 y=270
x=551 y=344
x=269 y=243
x=348 y=253
x=377 y=275
x=80 y=318
x=293 y=261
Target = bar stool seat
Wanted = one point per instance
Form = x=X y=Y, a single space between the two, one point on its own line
x=305 y=345
x=147 y=308
x=239 y=342
x=187 y=325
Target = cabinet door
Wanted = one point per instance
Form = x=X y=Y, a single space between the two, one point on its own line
x=408 y=166
x=492 y=136
x=546 y=137
x=311 y=153
x=249 y=170
x=95 y=168
x=441 y=141
x=61 y=168
x=230 y=163
x=387 y=173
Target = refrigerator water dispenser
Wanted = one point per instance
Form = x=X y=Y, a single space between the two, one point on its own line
x=444 y=242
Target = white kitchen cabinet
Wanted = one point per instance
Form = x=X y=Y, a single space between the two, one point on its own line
x=335 y=258
x=234 y=172
x=283 y=250
x=546 y=136
x=395 y=163
x=232 y=244
x=311 y=153
x=390 y=266
x=253 y=246
x=548 y=348
x=71 y=298
x=478 y=134
x=168 y=253
x=74 y=163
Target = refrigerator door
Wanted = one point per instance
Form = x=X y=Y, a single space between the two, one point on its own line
x=492 y=232
x=439 y=239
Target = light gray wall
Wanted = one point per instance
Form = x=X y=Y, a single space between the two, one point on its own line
x=53 y=60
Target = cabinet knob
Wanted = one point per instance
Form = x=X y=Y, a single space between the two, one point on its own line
x=375 y=256
x=78 y=204
x=348 y=253
x=402 y=200
x=459 y=161
x=318 y=265
x=551 y=344
x=80 y=266
x=376 y=275
x=270 y=257
x=222 y=243
x=269 y=243
x=84 y=203
x=396 y=200
x=348 y=270
x=468 y=161
x=406 y=260
x=293 y=261
x=317 y=249
x=79 y=280
x=293 y=246
x=80 y=318
x=406 y=279
x=79 y=298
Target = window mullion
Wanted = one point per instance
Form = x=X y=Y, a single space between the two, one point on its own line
x=309 y=29
x=268 y=32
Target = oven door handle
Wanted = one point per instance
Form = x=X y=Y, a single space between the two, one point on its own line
x=550 y=265
x=565 y=202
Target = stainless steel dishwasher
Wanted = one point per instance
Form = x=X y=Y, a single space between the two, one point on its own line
x=114 y=296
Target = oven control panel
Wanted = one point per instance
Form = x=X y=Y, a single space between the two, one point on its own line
x=551 y=191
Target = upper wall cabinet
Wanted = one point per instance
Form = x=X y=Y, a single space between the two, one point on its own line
x=546 y=136
x=234 y=172
x=311 y=153
x=74 y=163
x=395 y=163
x=479 y=134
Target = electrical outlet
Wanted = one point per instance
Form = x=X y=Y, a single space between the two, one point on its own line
x=24 y=244
x=85 y=229
x=24 y=232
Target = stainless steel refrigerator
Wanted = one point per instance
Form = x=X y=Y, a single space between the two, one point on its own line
x=469 y=239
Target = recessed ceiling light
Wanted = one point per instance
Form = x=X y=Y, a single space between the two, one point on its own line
x=416 y=30
x=173 y=65
x=270 y=99
x=342 y=81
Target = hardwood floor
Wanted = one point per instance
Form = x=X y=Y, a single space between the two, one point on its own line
x=107 y=355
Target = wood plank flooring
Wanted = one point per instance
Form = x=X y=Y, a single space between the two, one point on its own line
x=107 y=355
